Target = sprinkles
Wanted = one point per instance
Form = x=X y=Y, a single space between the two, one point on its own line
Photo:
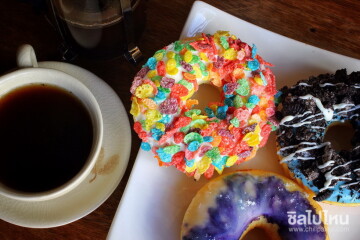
x=199 y=142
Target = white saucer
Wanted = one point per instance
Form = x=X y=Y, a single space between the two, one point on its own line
x=97 y=187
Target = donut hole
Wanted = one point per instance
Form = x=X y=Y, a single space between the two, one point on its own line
x=205 y=94
x=340 y=134
x=261 y=229
x=257 y=233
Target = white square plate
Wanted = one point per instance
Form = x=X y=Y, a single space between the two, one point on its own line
x=155 y=198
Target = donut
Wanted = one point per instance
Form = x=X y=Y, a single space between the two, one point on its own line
x=306 y=110
x=229 y=206
x=199 y=141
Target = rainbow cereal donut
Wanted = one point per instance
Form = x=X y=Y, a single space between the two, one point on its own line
x=226 y=132
x=229 y=206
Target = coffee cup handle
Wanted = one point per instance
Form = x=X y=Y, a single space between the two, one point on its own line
x=26 y=57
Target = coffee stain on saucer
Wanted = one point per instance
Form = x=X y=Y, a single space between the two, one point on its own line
x=104 y=167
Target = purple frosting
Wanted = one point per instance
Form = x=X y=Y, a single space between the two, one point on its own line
x=236 y=209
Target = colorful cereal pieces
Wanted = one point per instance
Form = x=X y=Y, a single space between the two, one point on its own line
x=197 y=141
x=144 y=91
x=169 y=106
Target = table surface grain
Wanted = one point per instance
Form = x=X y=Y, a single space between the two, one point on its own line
x=332 y=25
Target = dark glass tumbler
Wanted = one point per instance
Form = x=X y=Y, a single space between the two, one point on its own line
x=101 y=29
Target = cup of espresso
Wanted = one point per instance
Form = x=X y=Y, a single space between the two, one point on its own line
x=51 y=131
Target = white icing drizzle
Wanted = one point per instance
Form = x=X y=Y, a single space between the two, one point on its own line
x=327 y=112
x=342 y=105
x=350 y=110
x=311 y=116
x=302 y=121
x=291 y=156
x=327 y=164
x=287 y=119
x=306 y=158
x=321 y=85
x=349 y=184
x=290 y=117
x=304 y=84
x=297 y=145
x=329 y=177
x=329 y=84
x=299 y=124
x=317 y=127
x=326 y=84
x=301 y=84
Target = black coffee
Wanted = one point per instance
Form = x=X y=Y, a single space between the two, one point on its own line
x=45 y=137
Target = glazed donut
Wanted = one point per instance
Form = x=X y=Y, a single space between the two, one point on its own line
x=307 y=109
x=229 y=206
x=225 y=132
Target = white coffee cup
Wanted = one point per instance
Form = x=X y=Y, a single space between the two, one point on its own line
x=30 y=73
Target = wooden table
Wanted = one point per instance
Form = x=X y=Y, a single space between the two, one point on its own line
x=332 y=25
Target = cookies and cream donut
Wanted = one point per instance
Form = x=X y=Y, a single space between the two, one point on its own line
x=224 y=133
x=307 y=110
x=229 y=206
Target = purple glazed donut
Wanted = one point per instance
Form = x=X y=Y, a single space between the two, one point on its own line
x=229 y=206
